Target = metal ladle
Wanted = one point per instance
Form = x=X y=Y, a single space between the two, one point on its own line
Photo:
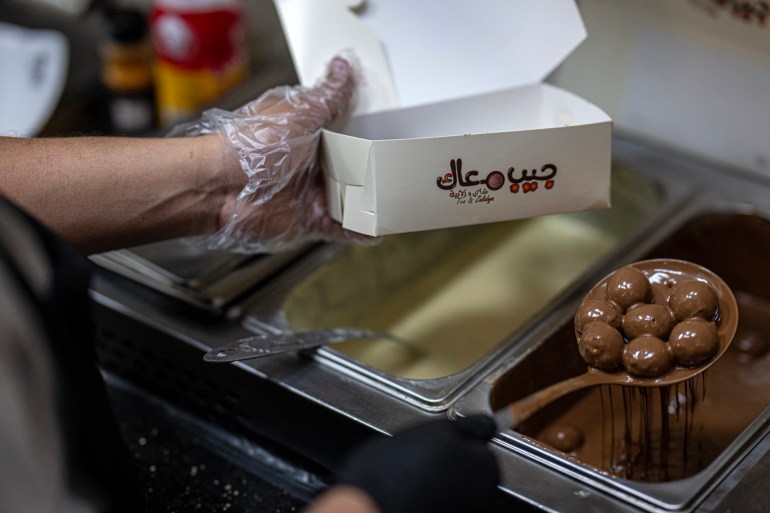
x=513 y=414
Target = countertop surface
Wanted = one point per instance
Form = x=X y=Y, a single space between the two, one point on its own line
x=186 y=464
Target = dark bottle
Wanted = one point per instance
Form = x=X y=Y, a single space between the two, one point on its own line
x=127 y=72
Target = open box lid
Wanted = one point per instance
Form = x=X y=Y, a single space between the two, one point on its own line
x=415 y=53
x=447 y=84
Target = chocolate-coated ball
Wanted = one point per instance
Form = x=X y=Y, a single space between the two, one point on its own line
x=750 y=344
x=694 y=341
x=650 y=319
x=564 y=437
x=647 y=356
x=694 y=299
x=601 y=346
x=627 y=286
x=597 y=310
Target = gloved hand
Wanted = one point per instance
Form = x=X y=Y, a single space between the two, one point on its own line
x=442 y=466
x=275 y=139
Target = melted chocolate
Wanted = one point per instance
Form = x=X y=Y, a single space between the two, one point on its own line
x=667 y=433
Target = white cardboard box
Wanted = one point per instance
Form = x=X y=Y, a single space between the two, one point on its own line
x=453 y=125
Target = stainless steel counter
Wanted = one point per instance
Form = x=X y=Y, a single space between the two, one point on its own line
x=322 y=402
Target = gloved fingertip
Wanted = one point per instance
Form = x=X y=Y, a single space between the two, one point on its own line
x=339 y=67
x=353 y=63
x=336 y=91
x=339 y=74
x=478 y=426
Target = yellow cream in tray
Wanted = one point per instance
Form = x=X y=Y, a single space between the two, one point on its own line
x=473 y=294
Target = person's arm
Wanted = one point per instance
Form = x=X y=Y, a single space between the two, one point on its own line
x=343 y=499
x=248 y=177
x=109 y=192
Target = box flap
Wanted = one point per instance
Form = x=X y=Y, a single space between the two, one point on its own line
x=415 y=53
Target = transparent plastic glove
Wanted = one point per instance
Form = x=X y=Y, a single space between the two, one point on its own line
x=441 y=465
x=275 y=138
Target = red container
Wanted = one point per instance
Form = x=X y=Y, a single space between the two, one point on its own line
x=200 y=53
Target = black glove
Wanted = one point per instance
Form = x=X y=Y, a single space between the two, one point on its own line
x=442 y=466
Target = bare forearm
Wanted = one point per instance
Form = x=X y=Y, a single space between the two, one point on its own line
x=109 y=192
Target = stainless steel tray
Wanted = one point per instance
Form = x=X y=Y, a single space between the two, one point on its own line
x=212 y=280
x=704 y=232
x=461 y=296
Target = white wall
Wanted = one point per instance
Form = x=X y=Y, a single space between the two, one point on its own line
x=683 y=73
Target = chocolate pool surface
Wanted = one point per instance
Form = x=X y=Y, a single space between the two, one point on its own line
x=666 y=433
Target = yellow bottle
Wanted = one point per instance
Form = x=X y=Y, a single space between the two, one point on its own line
x=127 y=73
